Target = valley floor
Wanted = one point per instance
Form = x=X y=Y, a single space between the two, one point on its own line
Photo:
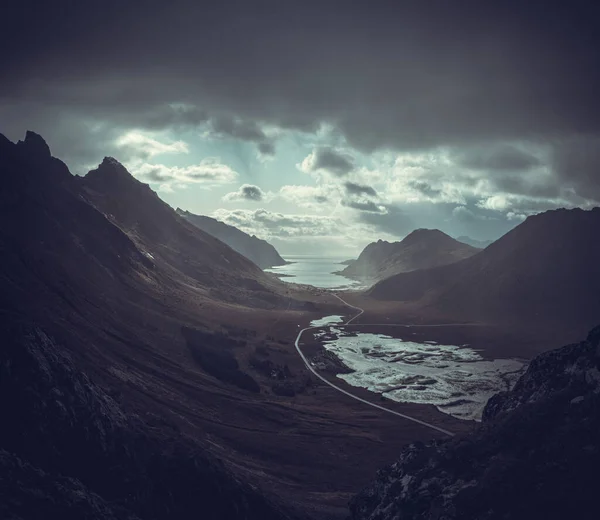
x=317 y=448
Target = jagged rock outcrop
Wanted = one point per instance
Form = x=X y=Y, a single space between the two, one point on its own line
x=535 y=456
x=263 y=254
x=68 y=450
x=421 y=249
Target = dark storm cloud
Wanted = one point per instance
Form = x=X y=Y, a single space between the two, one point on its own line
x=425 y=188
x=330 y=160
x=353 y=188
x=498 y=158
x=577 y=165
x=399 y=75
x=364 y=205
x=266 y=148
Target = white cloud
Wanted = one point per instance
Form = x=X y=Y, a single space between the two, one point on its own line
x=209 y=172
x=309 y=196
x=137 y=144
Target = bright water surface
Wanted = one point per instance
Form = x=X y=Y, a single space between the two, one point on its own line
x=455 y=379
x=314 y=270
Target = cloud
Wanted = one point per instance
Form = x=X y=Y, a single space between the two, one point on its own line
x=225 y=126
x=576 y=162
x=209 y=172
x=365 y=205
x=264 y=223
x=139 y=145
x=246 y=192
x=245 y=130
x=327 y=159
x=503 y=157
x=480 y=100
x=266 y=148
x=440 y=74
x=353 y=188
x=425 y=188
x=306 y=196
x=392 y=220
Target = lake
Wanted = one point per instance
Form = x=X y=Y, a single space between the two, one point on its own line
x=314 y=270
x=455 y=379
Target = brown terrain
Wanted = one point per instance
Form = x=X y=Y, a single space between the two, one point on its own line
x=185 y=333
x=421 y=249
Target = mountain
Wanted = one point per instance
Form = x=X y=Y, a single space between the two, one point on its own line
x=263 y=254
x=479 y=244
x=421 y=249
x=165 y=237
x=67 y=449
x=120 y=325
x=543 y=273
x=536 y=454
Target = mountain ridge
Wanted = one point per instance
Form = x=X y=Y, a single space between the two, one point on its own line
x=543 y=271
x=259 y=251
x=420 y=249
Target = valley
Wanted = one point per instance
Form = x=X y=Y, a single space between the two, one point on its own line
x=156 y=346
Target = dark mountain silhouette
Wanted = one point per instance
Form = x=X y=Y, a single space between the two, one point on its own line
x=104 y=277
x=535 y=456
x=263 y=254
x=421 y=249
x=543 y=272
x=165 y=237
x=480 y=244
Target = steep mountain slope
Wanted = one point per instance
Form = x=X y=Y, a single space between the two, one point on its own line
x=166 y=237
x=544 y=272
x=535 y=456
x=70 y=451
x=263 y=254
x=113 y=294
x=421 y=249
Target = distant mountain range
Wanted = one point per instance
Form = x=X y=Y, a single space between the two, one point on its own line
x=263 y=254
x=544 y=271
x=421 y=249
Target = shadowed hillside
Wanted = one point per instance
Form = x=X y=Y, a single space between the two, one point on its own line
x=542 y=273
x=263 y=254
x=421 y=249
x=535 y=456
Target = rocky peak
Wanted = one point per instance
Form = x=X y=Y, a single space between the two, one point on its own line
x=424 y=234
x=35 y=146
x=111 y=174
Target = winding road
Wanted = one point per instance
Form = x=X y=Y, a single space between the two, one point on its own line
x=329 y=383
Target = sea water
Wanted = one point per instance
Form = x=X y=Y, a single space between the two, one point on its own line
x=314 y=270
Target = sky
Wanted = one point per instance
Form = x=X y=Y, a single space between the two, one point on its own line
x=319 y=126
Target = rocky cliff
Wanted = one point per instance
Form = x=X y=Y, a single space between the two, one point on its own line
x=536 y=454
